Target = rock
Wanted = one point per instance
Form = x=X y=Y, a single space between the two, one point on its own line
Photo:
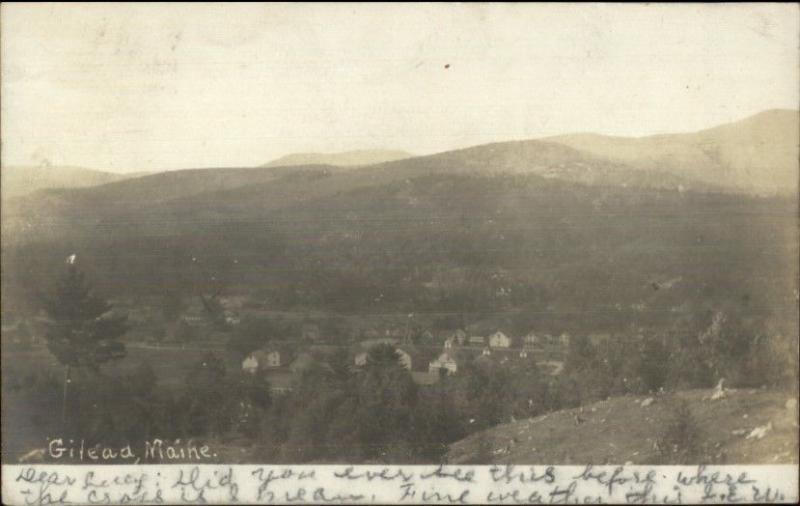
x=647 y=402
x=739 y=432
x=36 y=455
x=760 y=432
x=719 y=391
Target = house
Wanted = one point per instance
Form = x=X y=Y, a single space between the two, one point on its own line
x=443 y=361
x=564 y=339
x=361 y=359
x=232 y=318
x=523 y=353
x=448 y=343
x=250 y=364
x=475 y=340
x=460 y=336
x=427 y=335
x=486 y=352
x=310 y=332
x=261 y=359
x=499 y=340
x=405 y=358
x=531 y=339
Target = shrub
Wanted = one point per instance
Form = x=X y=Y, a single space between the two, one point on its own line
x=680 y=440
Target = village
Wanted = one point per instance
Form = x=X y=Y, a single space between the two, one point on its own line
x=426 y=352
x=436 y=355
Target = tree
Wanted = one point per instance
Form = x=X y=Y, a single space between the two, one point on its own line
x=81 y=331
x=387 y=397
x=209 y=398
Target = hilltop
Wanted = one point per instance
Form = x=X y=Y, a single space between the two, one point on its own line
x=758 y=154
x=19 y=180
x=621 y=430
x=341 y=159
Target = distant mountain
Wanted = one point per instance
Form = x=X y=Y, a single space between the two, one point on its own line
x=343 y=159
x=758 y=154
x=19 y=180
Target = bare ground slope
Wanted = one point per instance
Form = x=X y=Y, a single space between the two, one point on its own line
x=620 y=430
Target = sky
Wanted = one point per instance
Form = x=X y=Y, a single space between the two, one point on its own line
x=144 y=87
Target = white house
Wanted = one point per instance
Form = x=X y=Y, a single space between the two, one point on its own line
x=405 y=358
x=448 y=343
x=261 y=359
x=476 y=340
x=250 y=364
x=486 y=352
x=361 y=359
x=232 y=318
x=443 y=361
x=531 y=339
x=499 y=340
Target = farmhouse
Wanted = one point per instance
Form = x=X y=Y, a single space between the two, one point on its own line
x=232 y=318
x=531 y=339
x=443 y=361
x=499 y=340
x=261 y=359
x=405 y=358
x=250 y=364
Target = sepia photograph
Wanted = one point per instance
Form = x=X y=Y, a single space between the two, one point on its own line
x=353 y=234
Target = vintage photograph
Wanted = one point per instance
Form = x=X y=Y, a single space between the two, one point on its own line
x=349 y=233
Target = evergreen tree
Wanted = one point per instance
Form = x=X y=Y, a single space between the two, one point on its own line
x=81 y=331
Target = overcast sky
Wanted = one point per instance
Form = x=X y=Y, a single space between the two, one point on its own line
x=150 y=87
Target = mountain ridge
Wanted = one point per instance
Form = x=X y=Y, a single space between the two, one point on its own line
x=757 y=154
x=352 y=158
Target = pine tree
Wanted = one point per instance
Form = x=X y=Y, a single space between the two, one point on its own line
x=81 y=332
